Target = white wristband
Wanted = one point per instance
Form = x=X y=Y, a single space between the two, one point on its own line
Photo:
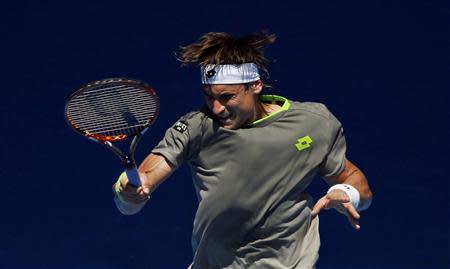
x=351 y=191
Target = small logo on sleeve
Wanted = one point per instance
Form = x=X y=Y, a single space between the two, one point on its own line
x=303 y=143
x=180 y=127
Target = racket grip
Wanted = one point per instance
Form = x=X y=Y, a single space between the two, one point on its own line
x=133 y=176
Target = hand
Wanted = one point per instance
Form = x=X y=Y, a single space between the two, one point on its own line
x=338 y=200
x=130 y=193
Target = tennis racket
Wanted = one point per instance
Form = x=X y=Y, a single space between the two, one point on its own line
x=111 y=110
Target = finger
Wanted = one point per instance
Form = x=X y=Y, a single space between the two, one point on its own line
x=322 y=203
x=352 y=211
x=338 y=206
x=145 y=183
x=352 y=215
x=135 y=195
x=123 y=179
x=144 y=192
x=354 y=222
x=129 y=187
x=140 y=194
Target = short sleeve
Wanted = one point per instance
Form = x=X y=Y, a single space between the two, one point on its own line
x=334 y=161
x=181 y=139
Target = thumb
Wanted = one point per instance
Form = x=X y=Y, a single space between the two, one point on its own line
x=322 y=203
x=146 y=190
x=144 y=181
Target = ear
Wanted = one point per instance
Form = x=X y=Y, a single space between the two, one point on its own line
x=257 y=87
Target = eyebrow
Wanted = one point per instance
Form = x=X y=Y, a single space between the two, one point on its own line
x=208 y=92
x=220 y=95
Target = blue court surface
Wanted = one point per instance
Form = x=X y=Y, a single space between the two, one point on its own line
x=380 y=66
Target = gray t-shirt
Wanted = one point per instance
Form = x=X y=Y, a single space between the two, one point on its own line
x=253 y=210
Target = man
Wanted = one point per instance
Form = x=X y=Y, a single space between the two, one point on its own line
x=252 y=157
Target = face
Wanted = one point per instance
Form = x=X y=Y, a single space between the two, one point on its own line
x=233 y=105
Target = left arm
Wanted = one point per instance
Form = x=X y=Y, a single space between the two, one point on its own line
x=339 y=200
x=352 y=175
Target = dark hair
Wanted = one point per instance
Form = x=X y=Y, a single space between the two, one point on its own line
x=224 y=48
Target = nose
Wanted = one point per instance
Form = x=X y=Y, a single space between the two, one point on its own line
x=217 y=107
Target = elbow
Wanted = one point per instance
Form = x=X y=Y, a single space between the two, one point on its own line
x=367 y=194
x=365 y=200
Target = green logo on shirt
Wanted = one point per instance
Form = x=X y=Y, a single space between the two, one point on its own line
x=303 y=143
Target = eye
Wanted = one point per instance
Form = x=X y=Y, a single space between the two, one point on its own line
x=226 y=96
x=208 y=96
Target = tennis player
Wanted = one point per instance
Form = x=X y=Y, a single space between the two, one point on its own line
x=252 y=158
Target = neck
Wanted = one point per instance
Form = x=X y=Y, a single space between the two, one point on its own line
x=265 y=109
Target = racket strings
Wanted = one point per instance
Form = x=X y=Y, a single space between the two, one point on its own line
x=112 y=117
x=112 y=111
x=104 y=120
x=85 y=116
x=123 y=93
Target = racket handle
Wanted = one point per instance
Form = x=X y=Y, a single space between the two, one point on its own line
x=133 y=176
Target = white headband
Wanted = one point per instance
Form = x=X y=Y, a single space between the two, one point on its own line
x=229 y=73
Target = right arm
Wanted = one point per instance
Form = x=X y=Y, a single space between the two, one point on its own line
x=152 y=171
x=177 y=146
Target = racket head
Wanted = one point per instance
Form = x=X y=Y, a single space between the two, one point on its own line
x=112 y=109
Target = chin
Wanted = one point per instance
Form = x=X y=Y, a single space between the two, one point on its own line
x=230 y=126
x=234 y=126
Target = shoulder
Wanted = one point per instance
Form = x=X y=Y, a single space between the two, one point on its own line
x=312 y=108
x=193 y=116
x=192 y=122
x=196 y=117
x=315 y=114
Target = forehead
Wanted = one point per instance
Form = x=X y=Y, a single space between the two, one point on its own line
x=222 y=88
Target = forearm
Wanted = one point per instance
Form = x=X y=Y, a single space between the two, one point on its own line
x=152 y=172
x=357 y=179
x=352 y=175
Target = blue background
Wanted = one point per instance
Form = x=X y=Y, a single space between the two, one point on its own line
x=380 y=66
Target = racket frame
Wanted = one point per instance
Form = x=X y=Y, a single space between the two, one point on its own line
x=127 y=160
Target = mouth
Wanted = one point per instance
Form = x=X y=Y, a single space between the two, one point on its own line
x=225 y=120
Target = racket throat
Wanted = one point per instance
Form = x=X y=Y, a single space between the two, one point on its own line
x=127 y=160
